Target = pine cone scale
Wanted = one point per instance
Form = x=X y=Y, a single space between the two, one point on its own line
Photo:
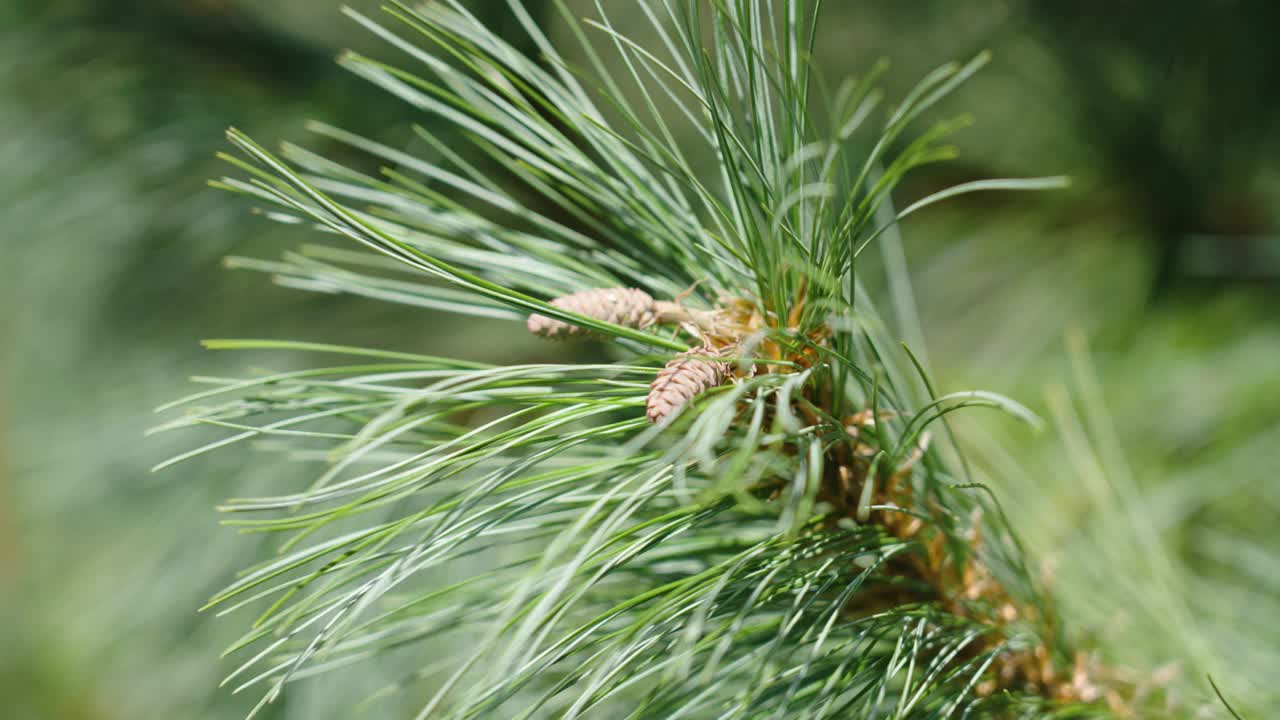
x=683 y=378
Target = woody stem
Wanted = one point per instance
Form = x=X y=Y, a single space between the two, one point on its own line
x=672 y=313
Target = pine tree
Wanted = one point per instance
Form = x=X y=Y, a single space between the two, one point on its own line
x=752 y=507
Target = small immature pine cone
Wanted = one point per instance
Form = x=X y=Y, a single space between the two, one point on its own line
x=684 y=377
x=627 y=307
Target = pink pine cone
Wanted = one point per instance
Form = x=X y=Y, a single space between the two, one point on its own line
x=627 y=307
x=685 y=377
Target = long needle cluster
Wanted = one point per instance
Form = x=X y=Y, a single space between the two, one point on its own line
x=796 y=549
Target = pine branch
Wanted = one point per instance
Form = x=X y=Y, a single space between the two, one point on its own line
x=785 y=541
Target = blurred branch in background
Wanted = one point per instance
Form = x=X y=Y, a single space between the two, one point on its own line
x=1178 y=103
x=1164 y=116
x=220 y=32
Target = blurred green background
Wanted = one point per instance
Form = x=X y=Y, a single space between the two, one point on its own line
x=1164 y=256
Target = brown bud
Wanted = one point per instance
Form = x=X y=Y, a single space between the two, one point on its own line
x=621 y=306
x=684 y=377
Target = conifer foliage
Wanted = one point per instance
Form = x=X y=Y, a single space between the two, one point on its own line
x=751 y=509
